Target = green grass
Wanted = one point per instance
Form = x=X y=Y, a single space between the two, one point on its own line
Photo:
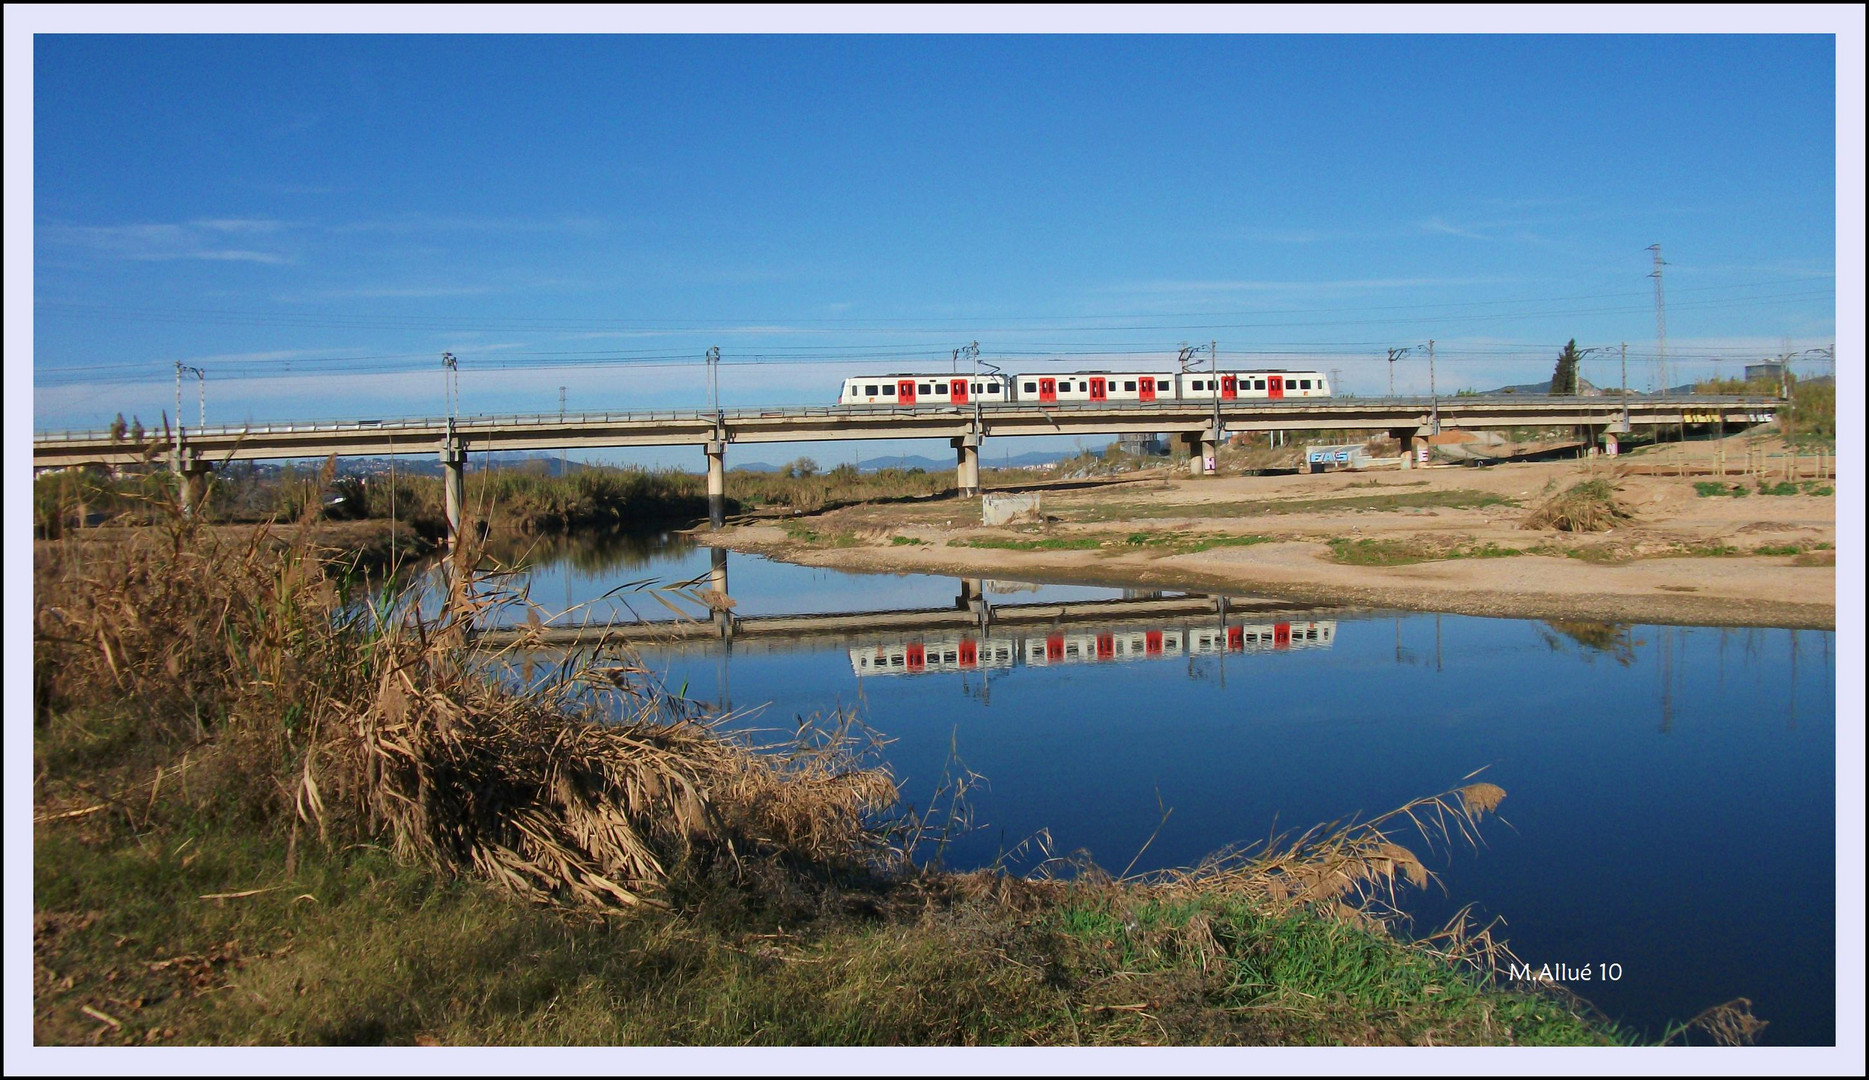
x=352 y=947
x=906 y=541
x=1047 y=543
x=1715 y=488
x=1456 y=500
x=1379 y=552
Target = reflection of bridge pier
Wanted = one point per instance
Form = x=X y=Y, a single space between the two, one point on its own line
x=721 y=604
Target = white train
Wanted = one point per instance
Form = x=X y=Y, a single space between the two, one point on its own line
x=1080 y=387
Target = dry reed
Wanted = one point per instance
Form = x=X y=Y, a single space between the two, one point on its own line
x=371 y=721
x=1587 y=506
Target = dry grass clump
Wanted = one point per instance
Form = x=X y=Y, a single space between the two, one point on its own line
x=367 y=721
x=1586 y=506
x=1351 y=871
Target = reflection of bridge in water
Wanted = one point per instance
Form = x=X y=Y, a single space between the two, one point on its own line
x=972 y=634
x=1051 y=647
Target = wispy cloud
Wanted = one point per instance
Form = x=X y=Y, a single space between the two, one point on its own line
x=211 y=239
x=424 y=224
x=385 y=292
x=1261 y=286
x=1441 y=227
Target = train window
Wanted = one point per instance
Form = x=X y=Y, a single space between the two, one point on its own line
x=889 y=390
x=1197 y=385
x=992 y=388
x=1304 y=384
x=1129 y=384
x=1064 y=386
x=869 y=391
x=1031 y=388
x=927 y=388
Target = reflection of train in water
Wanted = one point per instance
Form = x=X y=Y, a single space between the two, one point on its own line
x=956 y=653
x=928 y=391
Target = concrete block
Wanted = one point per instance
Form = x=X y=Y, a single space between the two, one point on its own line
x=1009 y=509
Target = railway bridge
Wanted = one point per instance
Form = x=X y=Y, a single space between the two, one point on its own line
x=1198 y=425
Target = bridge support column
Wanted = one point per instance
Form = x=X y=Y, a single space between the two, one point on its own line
x=194 y=487
x=1405 y=437
x=1192 y=440
x=971 y=593
x=1609 y=444
x=453 y=465
x=1210 y=453
x=716 y=484
x=967 y=464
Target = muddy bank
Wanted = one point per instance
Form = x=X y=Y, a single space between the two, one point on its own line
x=1455 y=536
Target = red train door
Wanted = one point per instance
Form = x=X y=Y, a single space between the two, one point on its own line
x=905 y=392
x=1236 y=638
x=1229 y=387
x=1146 y=388
x=918 y=657
x=1275 y=386
x=1099 y=390
x=1106 y=646
x=969 y=653
x=1281 y=635
x=1152 y=643
x=1048 y=390
x=957 y=391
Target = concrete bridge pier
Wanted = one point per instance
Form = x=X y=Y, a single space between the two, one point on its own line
x=453 y=467
x=716 y=484
x=194 y=487
x=1203 y=452
x=1191 y=441
x=972 y=594
x=1405 y=438
x=967 y=464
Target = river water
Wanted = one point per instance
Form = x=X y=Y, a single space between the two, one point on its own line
x=1671 y=790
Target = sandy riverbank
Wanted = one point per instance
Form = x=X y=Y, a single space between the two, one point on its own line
x=1686 y=558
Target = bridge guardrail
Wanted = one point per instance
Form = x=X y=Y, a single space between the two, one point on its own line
x=430 y=424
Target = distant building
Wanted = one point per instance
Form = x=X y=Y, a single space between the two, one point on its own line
x=1142 y=445
x=1771 y=371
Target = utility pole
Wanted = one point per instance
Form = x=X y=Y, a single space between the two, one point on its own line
x=1213 y=369
x=451 y=387
x=713 y=380
x=1661 y=321
x=202 y=378
x=1434 y=397
x=1625 y=386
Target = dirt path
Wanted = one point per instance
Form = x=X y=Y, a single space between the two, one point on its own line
x=1438 y=539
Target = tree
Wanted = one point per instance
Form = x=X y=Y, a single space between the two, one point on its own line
x=1564 y=379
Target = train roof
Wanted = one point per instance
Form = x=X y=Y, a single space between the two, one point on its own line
x=925 y=375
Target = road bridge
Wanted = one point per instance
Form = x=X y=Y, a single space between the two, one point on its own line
x=1200 y=426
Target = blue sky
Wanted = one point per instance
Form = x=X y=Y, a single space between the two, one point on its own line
x=312 y=220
